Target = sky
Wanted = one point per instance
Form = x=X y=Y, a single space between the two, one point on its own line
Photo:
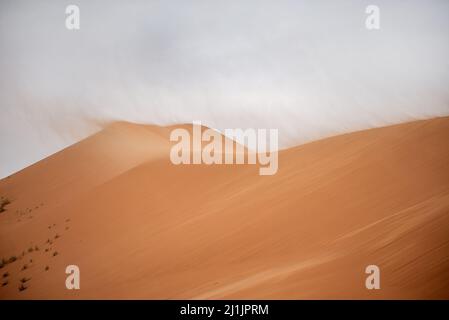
x=310 y=69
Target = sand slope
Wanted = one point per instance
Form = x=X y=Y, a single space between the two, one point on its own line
x=141 y=227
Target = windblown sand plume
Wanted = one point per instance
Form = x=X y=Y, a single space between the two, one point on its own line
x=140 y=227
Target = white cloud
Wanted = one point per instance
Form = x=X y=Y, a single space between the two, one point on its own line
x=309 y=68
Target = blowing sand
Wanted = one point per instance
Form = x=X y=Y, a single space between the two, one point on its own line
x=140 y=227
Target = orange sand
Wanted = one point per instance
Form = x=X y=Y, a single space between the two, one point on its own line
x=140 y=227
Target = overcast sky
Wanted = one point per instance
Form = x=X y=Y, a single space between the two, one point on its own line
x=309 y=68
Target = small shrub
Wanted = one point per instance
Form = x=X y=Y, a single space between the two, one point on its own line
x=24 y=267
x=47 y=268
x=55 y=253
x=3 y=203
x=56 y=236
x=22 y=287
x=5 y=275
x=30 y=249
x=24 y=280
x=5 y=283
x=12 y=259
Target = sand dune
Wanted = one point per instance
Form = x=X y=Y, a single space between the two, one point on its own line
x=141 y=227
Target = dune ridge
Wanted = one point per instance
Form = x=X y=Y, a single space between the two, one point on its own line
x=140 y=227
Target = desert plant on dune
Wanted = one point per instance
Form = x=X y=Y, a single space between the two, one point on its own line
x=24 y=279
x=5 y=275
x=12 y=259
x=3 y=262
x=3 y=203
x=22 y=287
x=55 y=253
x=47 y=268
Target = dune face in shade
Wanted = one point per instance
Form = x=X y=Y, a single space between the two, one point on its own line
x=138 y=226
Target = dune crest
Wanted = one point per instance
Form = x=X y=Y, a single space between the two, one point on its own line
x=140 y=227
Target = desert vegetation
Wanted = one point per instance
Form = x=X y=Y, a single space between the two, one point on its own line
x=27 y=258
x=3 y=203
